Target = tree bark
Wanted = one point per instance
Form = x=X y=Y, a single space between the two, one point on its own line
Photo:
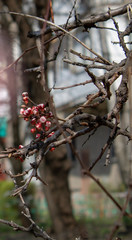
x=55 y=172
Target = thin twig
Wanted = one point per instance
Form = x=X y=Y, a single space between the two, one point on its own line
x=61 y=29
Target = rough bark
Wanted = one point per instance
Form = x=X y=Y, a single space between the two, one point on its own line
x=55 y=171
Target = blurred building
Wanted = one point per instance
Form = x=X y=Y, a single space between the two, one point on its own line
x=67 y=74
x=4 y=102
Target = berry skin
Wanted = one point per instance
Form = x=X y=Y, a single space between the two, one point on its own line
x=35 y=110
x=24 y=94
x=33 y=130
x=41 y=106
x=33 y=121
x=46 y=128
x=20 y=146
x=50 y=114
x=22 y=111
x=42 y=119
x=52 y=149
x=39 y=125
x=38 y=135
x=25 y=99
x=26 y=119
x=48 y=124
x=27 y=112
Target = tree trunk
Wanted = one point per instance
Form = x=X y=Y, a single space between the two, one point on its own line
x=55 y=171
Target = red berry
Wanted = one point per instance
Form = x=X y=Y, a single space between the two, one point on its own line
x=20 y=146
x=41 y=106
x=33 y=121
x=33 y=130
x=52 y=149
x=26 y=119
x=24 y=94
x=22 y=111
x=48 y=124
x=38 y=135
x=39 y=125
x=42 y=119
x=35 y=110
x=29 y=111
x=47 y=128
x=50 y=114
x=25 y=99
x=25 y=113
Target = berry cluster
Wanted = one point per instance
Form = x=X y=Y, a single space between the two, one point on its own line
x=39 y=117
